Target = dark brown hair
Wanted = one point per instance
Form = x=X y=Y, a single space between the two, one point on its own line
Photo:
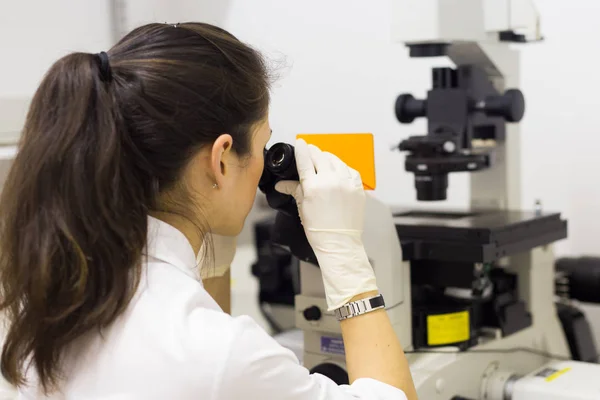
x=94 y=157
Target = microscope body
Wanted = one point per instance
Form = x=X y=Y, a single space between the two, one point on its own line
x=470 y=293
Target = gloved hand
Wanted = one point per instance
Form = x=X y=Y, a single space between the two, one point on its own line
x=223 y=251
x=331 y=203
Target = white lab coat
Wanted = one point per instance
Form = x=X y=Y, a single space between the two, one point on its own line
x=174 y=342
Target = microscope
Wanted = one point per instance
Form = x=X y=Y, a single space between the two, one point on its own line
x=470 y=293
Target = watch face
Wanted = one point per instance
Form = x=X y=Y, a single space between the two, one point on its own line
x=377 y=301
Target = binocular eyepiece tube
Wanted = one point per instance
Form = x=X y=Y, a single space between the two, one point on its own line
x=287 y=231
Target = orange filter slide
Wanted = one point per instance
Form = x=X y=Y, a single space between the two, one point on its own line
x=357 y=150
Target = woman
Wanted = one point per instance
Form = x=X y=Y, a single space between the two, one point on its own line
x=129 y=161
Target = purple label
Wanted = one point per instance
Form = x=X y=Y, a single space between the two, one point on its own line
x=332 y=345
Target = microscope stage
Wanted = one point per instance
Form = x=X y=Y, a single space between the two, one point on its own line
x=475 y=236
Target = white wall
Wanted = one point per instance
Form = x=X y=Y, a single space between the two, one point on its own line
x=139 y=12
x=34 y=34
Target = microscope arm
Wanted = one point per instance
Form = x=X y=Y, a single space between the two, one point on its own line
x=447 y=21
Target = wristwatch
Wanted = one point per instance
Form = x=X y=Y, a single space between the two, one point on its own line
x=359 y=307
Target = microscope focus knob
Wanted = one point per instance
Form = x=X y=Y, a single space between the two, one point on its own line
x=408 y=108
x=333 y=372
x=312 y=313
x=510 y=105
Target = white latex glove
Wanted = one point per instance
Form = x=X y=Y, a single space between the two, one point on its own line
x=224 y=251
x=331 y=203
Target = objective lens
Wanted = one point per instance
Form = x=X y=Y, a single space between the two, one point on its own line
x=431 y=187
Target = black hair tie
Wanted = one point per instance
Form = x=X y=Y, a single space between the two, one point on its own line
x=104 y=65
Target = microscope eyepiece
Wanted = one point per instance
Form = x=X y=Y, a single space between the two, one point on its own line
x=277 y=158
x=281 y=161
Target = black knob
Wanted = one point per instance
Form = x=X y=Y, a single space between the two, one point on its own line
x=333 y=372
x=510 y=105
x=256 y=269
x=408 y=108
x=584 y=277
x=312 y=313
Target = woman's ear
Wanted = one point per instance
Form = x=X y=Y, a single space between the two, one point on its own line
x=220 y=155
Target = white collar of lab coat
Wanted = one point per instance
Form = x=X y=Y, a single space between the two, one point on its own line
x=167 y=243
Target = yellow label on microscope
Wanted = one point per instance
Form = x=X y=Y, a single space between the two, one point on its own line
x=448 y=328
x=557 y=374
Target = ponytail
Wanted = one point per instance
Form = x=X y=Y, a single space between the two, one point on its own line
x=72 y=220
x=103 y=134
